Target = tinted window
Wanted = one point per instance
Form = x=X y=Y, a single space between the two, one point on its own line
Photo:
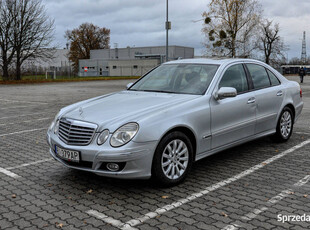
x=274 y=80
x=259 y=76
x=235 y=77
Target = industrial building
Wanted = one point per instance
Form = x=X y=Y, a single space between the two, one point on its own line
x=56 y=61
x=130 y=61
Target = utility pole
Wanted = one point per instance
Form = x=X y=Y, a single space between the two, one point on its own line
x=168 y=27
x=304 y=50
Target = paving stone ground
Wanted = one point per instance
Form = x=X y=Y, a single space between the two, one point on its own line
x=49 y=196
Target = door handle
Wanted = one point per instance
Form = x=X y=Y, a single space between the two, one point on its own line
x=280 y=93
x=251 y=100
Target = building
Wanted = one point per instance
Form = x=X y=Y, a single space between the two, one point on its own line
x=130 y=61
x=56 y=60
x=116 y=67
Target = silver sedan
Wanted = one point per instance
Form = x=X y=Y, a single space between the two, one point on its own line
x=178 y=113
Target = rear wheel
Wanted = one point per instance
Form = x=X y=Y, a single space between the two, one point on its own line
x=284 y=126
x=173 y=159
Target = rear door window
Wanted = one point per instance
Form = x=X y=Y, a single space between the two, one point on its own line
x=259 y=76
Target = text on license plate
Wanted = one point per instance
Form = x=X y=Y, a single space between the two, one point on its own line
x=68 y=155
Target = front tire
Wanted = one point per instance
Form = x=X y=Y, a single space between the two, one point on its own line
x=173 y=159
x=284 y=126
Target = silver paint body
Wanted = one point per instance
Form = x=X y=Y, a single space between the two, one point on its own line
x=216 y=124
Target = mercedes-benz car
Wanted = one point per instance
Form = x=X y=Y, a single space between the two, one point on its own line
x=178 y=113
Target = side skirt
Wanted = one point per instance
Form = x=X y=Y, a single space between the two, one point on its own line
x=233 y=144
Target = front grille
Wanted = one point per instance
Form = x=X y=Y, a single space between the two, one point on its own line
x=73 y=132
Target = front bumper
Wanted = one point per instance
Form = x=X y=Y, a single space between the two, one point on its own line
x=136 y=157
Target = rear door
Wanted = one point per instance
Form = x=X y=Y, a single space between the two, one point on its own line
x=233 y=119
x=269 y=95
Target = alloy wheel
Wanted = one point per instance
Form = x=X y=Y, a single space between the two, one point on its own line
x=175 y=159
x=286 y=124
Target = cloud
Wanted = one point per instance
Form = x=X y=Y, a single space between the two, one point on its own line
x=141 y=22
x=293 y=18
x=132 y=23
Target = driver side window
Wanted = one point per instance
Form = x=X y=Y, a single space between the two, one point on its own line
x=235 y=77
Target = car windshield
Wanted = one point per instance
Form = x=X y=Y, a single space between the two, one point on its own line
x=177 y=78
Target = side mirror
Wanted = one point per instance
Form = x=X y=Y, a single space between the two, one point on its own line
x=225 y=92
x=129 y=85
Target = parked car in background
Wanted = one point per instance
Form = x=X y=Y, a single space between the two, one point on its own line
x=178 y=113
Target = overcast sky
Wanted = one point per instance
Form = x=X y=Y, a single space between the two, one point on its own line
x=141 y=22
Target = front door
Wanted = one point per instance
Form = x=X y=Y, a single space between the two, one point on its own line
x=233 y=119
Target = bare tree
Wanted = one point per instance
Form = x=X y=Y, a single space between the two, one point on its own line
x=6 y=30
x=85 y=38
x=229 y=25
x=295 y=61
x=32 y=32
x=25 y=32
x=270 y=43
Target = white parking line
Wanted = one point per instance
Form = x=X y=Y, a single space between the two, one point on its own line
x=251 y=215
x=23 y=131
x=280 y=196
x=302 y=133
x=108 y=220
x=30 y=102
x=8 y=173
x=27 y=164
x=15 y=107
x=160 y=211
x=303 y=181
x=41 y=119
x=21 y=115
x=231 y=227
x=254 y=213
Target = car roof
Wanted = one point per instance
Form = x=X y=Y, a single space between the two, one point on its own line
x=210 y=61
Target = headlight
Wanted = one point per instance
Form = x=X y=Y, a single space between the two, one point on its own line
x=124 y=134
x=103 y=136
x=54 y=123
x=56 y=126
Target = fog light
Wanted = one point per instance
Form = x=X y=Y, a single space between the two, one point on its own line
x=113 y=167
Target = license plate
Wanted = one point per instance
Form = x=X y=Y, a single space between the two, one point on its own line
x=68 y=155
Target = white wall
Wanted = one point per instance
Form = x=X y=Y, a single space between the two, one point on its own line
x=134 y=67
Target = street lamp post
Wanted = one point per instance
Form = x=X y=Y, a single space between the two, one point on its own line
x=168 y=27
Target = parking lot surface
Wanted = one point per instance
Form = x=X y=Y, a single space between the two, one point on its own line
x=251 y=186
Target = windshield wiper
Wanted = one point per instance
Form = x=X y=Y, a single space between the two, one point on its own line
x=157 y=91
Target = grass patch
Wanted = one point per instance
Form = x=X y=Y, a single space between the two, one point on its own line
x=42 y=79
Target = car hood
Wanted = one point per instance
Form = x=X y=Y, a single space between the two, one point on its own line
x=114 y=110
